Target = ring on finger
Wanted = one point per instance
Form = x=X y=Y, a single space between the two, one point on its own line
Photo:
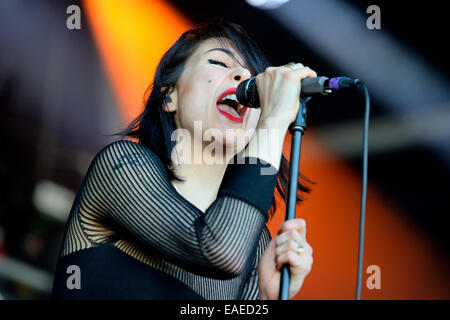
x=299 y=248
x=292 y=65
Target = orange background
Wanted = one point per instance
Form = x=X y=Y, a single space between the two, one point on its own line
x=131 y=37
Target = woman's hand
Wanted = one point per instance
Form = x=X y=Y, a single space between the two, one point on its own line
x=279 y=94
x=283 y=249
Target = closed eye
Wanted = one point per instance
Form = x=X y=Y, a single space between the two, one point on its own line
x=217 y=62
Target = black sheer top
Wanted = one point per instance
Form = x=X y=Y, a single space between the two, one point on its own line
x=133 y=236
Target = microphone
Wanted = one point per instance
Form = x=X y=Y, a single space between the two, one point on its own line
x=247 y=92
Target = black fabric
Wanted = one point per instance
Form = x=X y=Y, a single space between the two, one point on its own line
x=127 y=200
x=107 y=273
x=247 y=179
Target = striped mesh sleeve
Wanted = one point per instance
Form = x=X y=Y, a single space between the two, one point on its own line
x=251 y=286
x=128 y=184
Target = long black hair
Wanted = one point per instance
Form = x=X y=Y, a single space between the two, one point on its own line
x=153 y=128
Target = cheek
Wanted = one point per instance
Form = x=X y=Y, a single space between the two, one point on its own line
x=192 y=104
x=196 y=98
x=189 y=112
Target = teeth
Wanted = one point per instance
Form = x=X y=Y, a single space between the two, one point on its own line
x=231 y=97
x=234 y=98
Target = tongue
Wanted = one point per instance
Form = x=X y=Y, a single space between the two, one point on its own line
x=228 y=109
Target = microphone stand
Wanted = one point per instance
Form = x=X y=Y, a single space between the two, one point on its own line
x=297 y=129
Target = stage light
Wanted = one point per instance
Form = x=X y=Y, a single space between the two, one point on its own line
x=266 y=4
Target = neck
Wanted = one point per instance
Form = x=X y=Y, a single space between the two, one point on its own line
x=204 y=177
x=201 y=174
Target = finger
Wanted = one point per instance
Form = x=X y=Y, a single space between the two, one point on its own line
x=313 y=72
x=287 y=72
x=288 y=235
x=290 y=245
x=300 y=70
x=307 y=248
x=289 y=258
x=293 y=66
x=294 y=224
x=295 y=261
x=270 y=69
x=296 y=246
x=293 y=245
x=304 y=72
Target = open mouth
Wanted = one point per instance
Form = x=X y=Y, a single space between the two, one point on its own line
x=230 y=107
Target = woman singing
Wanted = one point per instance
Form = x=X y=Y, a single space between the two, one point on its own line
x=153 y=220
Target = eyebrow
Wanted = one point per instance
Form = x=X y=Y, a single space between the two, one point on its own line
x=228 y=52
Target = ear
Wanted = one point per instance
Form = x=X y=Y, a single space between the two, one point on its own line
x=170 y=99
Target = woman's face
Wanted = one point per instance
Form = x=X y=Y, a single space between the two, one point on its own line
x=209 y=74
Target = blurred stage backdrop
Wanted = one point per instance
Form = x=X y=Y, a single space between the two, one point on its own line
x=63 y=91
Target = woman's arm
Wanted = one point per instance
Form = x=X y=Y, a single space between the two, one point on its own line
x=128 y=184
x=251 y=287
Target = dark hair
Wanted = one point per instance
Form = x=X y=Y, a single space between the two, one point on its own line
x=154 y=127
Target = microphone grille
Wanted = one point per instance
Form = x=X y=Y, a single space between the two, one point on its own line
x=247 y=93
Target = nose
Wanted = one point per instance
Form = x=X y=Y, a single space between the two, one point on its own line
x=241 y=74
